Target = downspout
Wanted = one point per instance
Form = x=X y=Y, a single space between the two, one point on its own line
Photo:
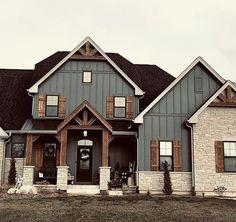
x=137 y=164
x=192 y=157
x=7 y=140
x=32 y=111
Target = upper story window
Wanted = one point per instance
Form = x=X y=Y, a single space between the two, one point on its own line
x=87 y=76
x=230 y=156
x=119 y=107
x=52 y=106
x=166 y=154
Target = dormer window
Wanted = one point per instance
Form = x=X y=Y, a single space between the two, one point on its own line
x=52 y=106
x=87 y=76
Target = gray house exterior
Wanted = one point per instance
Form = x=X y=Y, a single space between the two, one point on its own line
x=91 y=117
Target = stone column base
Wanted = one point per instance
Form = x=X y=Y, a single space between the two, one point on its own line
x=28 y=175
x=62 y=177
x=104 y=177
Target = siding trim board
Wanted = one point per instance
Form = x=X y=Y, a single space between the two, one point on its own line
x=34 y=88
x=139 y=118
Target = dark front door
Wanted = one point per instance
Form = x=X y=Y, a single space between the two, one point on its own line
x=84 y=164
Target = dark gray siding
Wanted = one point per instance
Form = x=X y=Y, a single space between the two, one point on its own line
x=166 y=120
x=67 y=81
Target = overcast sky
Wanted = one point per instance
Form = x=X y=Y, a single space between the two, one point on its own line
x=168 y=33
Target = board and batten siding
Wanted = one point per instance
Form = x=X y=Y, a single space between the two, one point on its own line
x=67 y=81
x=166 y=120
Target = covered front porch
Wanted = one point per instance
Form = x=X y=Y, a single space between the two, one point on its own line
x=83 y=151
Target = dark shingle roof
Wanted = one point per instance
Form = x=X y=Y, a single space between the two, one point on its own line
x=150 y=78
x=15 y=104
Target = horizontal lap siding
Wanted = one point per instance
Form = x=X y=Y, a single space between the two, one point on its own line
x=67 y=81
x=166 y=120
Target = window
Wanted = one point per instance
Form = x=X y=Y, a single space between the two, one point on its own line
x=230 y=156
x=166 y=154
x=198 y=85
x=87 y=76
x=17 y=150
x=119 y=107
x=52 y=106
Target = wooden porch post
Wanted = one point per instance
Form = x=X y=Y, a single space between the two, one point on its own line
x=28 y=152
x=105 y=145
x=63 y=149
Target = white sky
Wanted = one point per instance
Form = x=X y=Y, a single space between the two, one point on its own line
x=168 y=33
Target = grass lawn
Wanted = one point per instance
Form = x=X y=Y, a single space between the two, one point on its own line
x=52 y=207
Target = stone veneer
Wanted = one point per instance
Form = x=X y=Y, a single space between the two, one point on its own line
x=104 y=178
x=19 y=168
x=153 y=182
x=28 y=175
x=214 y=123
x=1 y=161
x=62 y=177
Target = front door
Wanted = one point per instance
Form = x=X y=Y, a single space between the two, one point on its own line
x=84 y=161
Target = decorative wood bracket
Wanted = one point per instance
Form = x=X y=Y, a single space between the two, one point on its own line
x=225 y=98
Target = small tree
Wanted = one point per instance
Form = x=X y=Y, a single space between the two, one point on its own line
x=167 y=188
x=12 y=173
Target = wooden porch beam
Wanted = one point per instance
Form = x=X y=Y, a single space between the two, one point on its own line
x=63 y=147
x=105 y=147
x=85 y=117
x=78 y=120
x=91 y=121
x=29 y=147
x=92 y=127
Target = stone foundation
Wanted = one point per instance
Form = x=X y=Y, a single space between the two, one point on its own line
x=28 y=175
x=153 y=181
x=213 y=124
x=62 y=177
x=104 y=178
x=19 y=168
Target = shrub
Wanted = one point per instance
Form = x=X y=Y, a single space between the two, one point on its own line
x=12 y=173
x=167 y=188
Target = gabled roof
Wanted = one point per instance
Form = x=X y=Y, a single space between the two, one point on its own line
x=84 y=104
x=34 y=88
x=15 y=103
x=139 y=118
x=194 y=117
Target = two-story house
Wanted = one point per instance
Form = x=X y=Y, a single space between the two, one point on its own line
x=81 y=116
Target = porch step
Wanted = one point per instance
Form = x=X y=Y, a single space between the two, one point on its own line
x=46 y=188
x=83 y=189
x=129 y=189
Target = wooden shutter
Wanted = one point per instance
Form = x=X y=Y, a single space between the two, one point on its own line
x=154 y=146
x=219 y=156
x=110 y=106
x=177 y=155
x=42 y=105
x=62 y=106
x=129 y=107
x=38 y=156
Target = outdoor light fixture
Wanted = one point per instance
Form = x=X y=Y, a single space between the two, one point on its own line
x=85 y=133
